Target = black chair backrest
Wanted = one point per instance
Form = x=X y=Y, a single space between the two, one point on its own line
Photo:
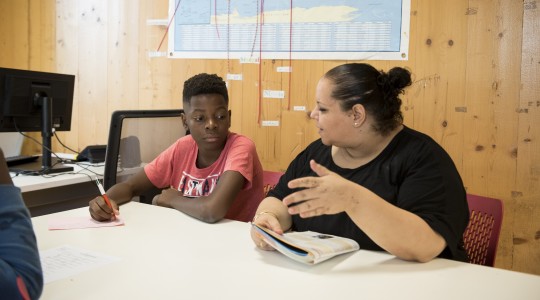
x=136 y=137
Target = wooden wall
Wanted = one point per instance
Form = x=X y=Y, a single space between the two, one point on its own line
x=476 y=66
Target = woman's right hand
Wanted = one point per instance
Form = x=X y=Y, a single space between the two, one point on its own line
x=100 y=211
x=266 y=220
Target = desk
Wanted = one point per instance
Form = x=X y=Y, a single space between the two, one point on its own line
x=168 y=255
x=57 y=192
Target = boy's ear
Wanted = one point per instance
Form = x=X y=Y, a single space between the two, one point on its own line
x=184 y=121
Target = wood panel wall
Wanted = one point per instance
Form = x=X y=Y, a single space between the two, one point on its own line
x=476 y=67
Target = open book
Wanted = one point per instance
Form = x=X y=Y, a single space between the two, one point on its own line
x=307 y=246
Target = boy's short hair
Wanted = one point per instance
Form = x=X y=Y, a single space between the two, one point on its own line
x=204 y=84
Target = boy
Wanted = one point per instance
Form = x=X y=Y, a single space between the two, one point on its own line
x=219 y=168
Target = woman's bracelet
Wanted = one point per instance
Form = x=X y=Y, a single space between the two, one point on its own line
x=264 y=213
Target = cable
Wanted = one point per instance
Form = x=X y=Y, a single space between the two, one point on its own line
x=169 y=25
x=42 y=171
x=84 y=167
x=37 y=142
x=59 y=141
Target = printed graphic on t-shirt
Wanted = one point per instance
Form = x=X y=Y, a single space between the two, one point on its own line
x=191 y=186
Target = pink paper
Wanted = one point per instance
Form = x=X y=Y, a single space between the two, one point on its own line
x=81 y=222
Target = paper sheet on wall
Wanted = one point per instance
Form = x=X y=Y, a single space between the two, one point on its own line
x=66 y=261
x=81 y=222
x=316 y=29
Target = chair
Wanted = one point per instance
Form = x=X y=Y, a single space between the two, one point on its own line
x=136 y=137
x=270 y=179
x=481 y=236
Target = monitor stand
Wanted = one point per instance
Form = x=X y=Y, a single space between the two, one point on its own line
x=36 y=168
x=46 y=163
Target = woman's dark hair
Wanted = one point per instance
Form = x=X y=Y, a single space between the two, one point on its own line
x=204 y=84
x=377 y=91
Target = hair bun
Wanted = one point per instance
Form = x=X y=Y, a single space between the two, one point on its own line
x=399 y=78
x=394 y=81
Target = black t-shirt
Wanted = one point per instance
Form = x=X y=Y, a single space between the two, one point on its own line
x=413 y=173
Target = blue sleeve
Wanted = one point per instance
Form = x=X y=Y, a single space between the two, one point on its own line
x=18 y=247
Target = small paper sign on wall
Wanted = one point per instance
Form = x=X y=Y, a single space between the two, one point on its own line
x=234 y=76
x=270 y=123
x=286 y=69
x=249 y=60
x=273 y=94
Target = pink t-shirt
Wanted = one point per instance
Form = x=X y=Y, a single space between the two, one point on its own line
x=176 y=167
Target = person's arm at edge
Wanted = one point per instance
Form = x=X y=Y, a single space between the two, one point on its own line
x=20 y=273
x=211 y=208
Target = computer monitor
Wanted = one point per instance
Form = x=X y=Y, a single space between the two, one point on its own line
x=36 y=101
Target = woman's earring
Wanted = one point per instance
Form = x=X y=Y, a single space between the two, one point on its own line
x=355 y=124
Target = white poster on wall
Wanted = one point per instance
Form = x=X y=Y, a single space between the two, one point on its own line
x=279 y=29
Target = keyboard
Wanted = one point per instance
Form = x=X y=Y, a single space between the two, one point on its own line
x=20 y=159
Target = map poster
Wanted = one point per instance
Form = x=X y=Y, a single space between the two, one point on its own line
x=299 y=29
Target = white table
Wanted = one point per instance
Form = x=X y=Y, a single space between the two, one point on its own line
x=56 y=192
x=29 y=183
x=168 y=255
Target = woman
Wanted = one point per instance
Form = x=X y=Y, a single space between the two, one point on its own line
x=369 y=177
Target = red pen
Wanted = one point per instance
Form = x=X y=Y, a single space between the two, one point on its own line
x=104 y=195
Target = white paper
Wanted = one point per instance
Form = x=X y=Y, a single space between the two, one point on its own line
x=270 y=123
x=82 y=222
x=249 y=60
x=157 y=22
x=157 y=53
x=286 y=69
x=273 y=94
x=234 y=76
x=66 y=261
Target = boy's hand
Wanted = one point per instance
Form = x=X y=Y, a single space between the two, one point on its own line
x=100 y=211
x=165 y=198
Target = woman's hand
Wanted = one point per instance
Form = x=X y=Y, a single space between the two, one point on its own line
x=324 y=195
x=268 y=220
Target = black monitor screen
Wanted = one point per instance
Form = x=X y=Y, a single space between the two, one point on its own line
x=37 y=101
x=20 y=107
